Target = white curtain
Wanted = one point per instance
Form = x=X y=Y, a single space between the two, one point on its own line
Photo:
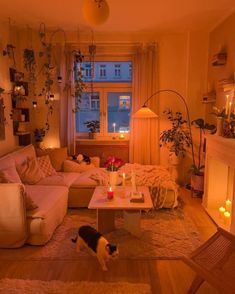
x=144 y=136
x=67 y=117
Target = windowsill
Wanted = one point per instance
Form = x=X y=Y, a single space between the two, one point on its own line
x=100 y=141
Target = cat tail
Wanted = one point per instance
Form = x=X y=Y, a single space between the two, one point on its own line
x=74 y=240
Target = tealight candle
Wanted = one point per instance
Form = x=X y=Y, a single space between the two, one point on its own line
x=229 y=110
x=221 y=211
x=123 y=179
x=228 y=205
x=226 y=217
x=122 y=136
x=110 y=193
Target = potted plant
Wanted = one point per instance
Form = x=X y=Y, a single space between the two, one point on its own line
x=93 y=127
x=177 y=139
x=39 y=134
x=197 y=169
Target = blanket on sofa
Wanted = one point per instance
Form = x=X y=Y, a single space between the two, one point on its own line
x=156 y=177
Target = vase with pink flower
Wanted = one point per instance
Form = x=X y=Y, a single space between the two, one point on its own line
x=112 y=164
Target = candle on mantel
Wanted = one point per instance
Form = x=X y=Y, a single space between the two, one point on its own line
x=110 y=193
x=221 y=211
x=228 y=204
x=114 y=127
x=229 y=110
x=226 y=105
x=227 y=217
x=124 y=179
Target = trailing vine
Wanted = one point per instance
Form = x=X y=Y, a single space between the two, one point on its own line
x=30 y=67
x=79 y=84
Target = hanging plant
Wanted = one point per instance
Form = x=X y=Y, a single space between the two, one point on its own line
x=30 y=67
x=79 y=85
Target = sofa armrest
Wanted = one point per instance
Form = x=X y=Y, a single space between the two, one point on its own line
x=13 y=228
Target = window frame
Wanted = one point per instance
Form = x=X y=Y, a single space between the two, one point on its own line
x=103 y=88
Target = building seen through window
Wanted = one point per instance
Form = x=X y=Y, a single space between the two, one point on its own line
x=111 y=99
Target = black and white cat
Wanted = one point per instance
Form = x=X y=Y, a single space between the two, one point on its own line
x=96 y=244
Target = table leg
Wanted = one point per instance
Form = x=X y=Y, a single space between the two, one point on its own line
x=105 y=220
x=132 y=221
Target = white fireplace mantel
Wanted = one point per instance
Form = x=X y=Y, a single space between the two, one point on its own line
x=219 y=179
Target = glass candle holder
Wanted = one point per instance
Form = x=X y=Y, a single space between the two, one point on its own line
x=110 y=193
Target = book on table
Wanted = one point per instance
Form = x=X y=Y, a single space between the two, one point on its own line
x=137 y=196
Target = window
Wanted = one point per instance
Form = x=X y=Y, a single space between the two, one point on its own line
x=102 y=71
x=117 y=70
x=111 y=100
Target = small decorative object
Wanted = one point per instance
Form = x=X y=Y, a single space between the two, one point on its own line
x=121 y=136
x=110 y=193
x=93 y=127
x=35 y=104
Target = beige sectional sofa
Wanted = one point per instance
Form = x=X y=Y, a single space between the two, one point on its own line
x=36 y=226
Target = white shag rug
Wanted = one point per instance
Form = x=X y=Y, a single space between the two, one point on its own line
x=16 y=286
x=166 y=234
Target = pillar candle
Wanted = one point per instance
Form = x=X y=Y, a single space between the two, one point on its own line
x=123 y=179
x=110 y=193
x=226 y=106
x=229 y=110
x=221 y=211
x=226 y=217
x=228 y=204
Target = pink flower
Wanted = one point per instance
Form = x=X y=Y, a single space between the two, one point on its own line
x=113 y=163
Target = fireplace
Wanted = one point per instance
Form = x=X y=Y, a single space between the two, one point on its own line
x=219 y=187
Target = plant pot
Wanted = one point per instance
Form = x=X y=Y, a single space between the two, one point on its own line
x=92 y=135
x=197 y=183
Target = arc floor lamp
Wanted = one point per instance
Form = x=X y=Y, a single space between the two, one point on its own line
x=145 y=112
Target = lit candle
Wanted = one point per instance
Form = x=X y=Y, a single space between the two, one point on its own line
x=122 y=136
x=229 y=110
x=228 y=205
x=226 y=106
x=110 y=193
x=226 y=217
x=114 y=127
x=221 y=211
x=123 y=179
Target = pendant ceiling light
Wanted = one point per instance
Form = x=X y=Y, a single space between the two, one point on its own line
x=95 y=12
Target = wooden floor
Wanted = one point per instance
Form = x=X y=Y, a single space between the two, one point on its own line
x=164 y=276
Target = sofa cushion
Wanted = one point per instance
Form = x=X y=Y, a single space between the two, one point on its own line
x=22 y=154
x=46 y=198
x=30 y=172
x=6 y=162
x=45 y=165
x=60 y=179
x=72 y=166
x=57 y=156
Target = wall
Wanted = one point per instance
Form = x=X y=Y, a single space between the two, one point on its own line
x=10 y=141
x=221 y=38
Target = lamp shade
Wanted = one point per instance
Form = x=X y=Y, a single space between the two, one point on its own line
x=144 y=112
x=95 y=12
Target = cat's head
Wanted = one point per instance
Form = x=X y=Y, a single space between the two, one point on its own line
x=112 y=250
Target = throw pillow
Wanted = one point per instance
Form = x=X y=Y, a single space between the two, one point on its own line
x=9 y=175
x=57 y=156
x=45 y=166
x=71 y=166
x=30 y=172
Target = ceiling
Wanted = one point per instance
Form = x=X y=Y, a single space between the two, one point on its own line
x=125 y=15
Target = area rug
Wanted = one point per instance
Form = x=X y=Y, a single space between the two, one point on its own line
x=166 y=234
x=15 y=286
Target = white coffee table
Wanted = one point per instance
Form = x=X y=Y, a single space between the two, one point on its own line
x=106 y=208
